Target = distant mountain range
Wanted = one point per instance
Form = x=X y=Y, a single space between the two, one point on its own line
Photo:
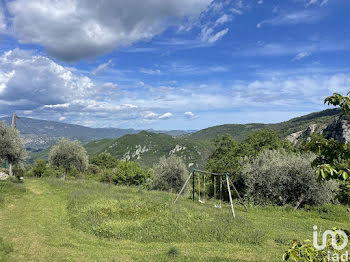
x=40 y=134
x=195 y=147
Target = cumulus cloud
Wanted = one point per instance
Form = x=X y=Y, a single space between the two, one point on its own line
x=33 y=80
x=299 y=17
x=73 y=30
x=301 y=55
x=166 y=116
x=37 y=86
x=190 y=116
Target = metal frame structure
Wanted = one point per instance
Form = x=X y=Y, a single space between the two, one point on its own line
x=228 y=182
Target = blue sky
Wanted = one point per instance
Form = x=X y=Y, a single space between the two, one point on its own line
x=171 y=64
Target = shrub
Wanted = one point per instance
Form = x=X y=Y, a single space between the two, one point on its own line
x=93 y=169
x=126 y=173
x=282 y=177
x=173 y=252
x=52 y=172
x=104 y=160
x=19 y=171
x=38 y=168
x=169 y=174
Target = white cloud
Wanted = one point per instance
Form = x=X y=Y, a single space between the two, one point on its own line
x=190 y=116
x=236 y=11
x=320 y=2
x=151 y=115
x=301 y=55
x=223 y=19
x=75 y=29
x=299 y=17
x=151 y=71
x=33 y=80
x=292 y=48
x=101 y=68
x=208 y=35
x=2 y=21
x=166 y=116
x=288 y=90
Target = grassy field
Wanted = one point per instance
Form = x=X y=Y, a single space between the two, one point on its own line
x=54 y=220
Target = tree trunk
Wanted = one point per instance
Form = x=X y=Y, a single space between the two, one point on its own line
x=10 y=170
x=301 y=199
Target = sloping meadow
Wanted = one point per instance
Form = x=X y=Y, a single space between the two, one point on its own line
x=130 y=213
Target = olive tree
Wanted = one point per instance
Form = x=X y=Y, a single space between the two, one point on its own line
x=283 y=177
x=11 y=147
x=68 y=155
x=169 y=174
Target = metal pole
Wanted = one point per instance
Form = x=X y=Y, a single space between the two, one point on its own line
x=238 y=195
x=182 y=189
x=229 y=194
x=193 y=185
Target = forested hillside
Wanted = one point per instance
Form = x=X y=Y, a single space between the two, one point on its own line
x=147 y=148
x=240 y=131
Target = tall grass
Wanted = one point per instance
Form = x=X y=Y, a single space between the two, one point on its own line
x=127 y=213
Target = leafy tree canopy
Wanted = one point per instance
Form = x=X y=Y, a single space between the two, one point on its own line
x=226 y=156
x=333 y=157
x=264 y=139
x=11 y=147
x=169 y=174
x=69 y=155
x=228 y=152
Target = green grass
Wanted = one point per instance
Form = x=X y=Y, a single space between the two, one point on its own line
x=54 y=220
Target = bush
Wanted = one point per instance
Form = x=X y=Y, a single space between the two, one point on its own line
x=38 y=168
x=282 y=177
x=19 y=171
x=173 y=252
x=169 y=174
x=52 y=172
x=93 y=169
x=104 y=160
x=126 y=173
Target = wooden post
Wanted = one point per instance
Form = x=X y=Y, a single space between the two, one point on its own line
x=229 y=194
x=182 y=189
x=13 y=125
x=238 y=195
